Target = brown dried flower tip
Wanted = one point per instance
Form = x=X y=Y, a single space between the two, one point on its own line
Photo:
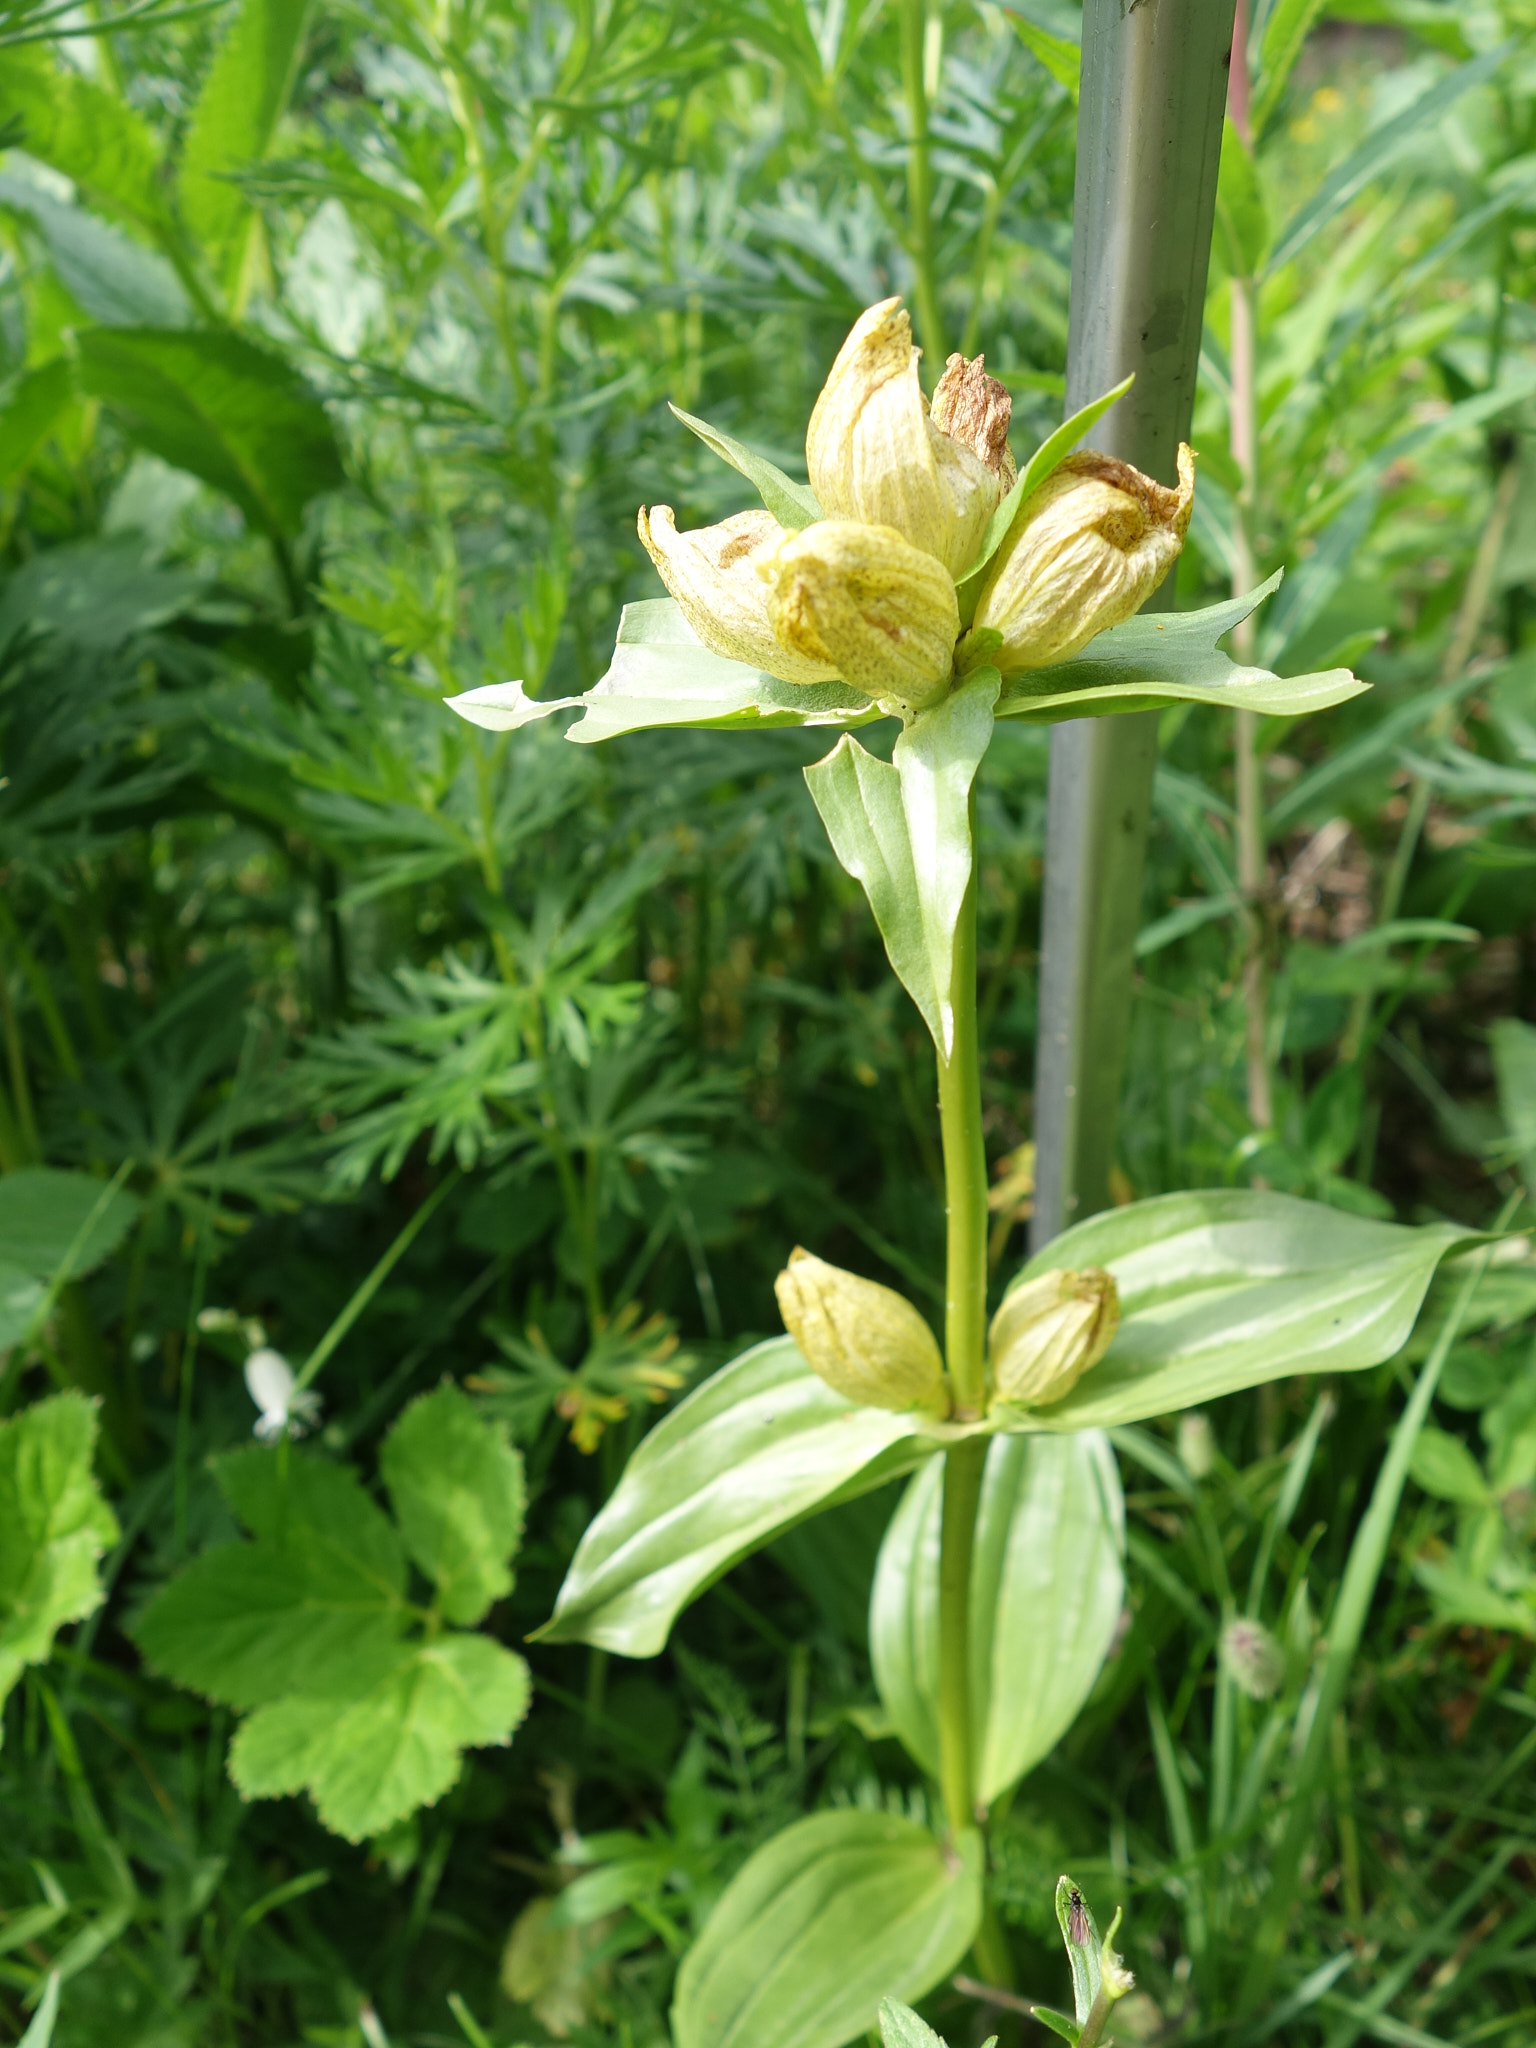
x=975 y=409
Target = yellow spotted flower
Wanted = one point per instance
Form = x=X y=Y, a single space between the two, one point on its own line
x=865 y=595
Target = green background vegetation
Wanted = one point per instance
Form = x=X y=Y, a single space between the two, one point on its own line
x=335 y=346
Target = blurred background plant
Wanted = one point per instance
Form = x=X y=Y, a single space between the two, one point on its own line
x=336 y=344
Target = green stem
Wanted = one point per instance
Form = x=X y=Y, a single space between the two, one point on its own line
x=965 y=1309
x=914 y=36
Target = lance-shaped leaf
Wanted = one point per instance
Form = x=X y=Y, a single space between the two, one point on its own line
x=1046 y=1591
x=834 y=1915
x=902 y=829
x=1167 y=658
x=662 y=675
x=757 y=1447
x=1227 y=1288
x=793 y=505
x=1049 y=456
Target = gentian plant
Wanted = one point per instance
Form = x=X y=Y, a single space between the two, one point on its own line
x=922 y=578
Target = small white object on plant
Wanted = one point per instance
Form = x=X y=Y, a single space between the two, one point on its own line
x=286 y=1408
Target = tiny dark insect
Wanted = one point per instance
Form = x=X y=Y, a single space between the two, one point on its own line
x=1077 y=1919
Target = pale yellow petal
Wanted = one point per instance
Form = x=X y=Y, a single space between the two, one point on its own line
x=883 y=613
x=713 y=575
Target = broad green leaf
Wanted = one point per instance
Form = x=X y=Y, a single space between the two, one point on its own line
x=1049 y=456
x=1379 y=150
x=1166 y=658
x=757 y=1447
x=243 y=97
x=48 y=1217
x=1442 y=1465
x=662 y=676
x=54 y=1526
x=1241 y=221
x=31 y=406
x=320 y=1593
x=219 y=407
x=456 y=1485
x=111 y=277
x=1227 y=1288
x=90 y=134
x=372 y=1750
x=1046 y=1592
x=902 y=829
x=793 y=505
x=1284 y=33
x=834 y=1915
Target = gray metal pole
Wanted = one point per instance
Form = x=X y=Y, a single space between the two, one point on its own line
x=1149 y=141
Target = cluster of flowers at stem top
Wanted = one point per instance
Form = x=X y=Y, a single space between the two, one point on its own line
x=867 y=594
x=874 y=1347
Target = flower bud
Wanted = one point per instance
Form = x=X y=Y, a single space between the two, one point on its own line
x=874 y=454
x=712 y=573
x=1049 y=1332
x=881 y=613
x=1086 y=550
x=1252 y=1659
x=863 y=1339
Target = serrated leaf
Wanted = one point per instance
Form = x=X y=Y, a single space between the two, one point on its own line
x=371 y=1752
x=754 y=1449
x=456 y=1485
x=793 y=505
x=1227 y=1288
x=901 y=2027
x=90 y=134
x=1168 y=658
x=839 y=1912
x=235 y=116
x=1063 y=60
x=54 y=1526
x=1046 y=1593
x=48 y=1217
x=321 y=1590
x=211 y=403
x=110 y=276
x=901 y=828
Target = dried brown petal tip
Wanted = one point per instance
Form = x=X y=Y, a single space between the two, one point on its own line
x=975 y=409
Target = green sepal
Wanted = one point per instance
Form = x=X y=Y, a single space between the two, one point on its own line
x=1080 y=1933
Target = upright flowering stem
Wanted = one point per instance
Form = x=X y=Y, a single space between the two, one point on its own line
x=965 y=1311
